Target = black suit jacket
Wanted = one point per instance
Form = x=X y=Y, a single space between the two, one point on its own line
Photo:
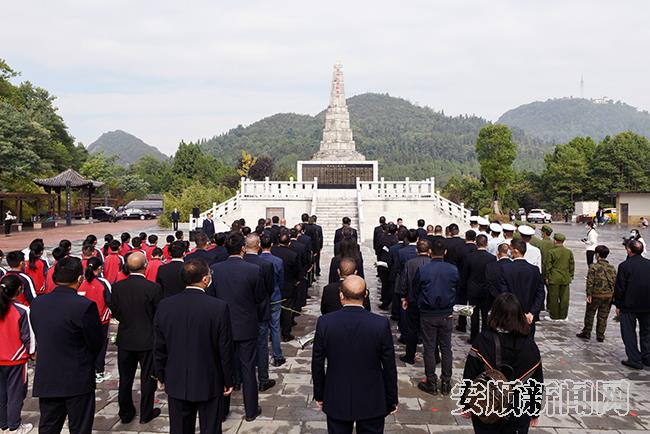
x=291 y=269
x=268 y=278
x=209 y=256
x=338 y=235
x=302 y=252
x=377 y=234
x=331 y=301
x=311 y=230
x=455 y=249
x=208 y=227
x=275 y=233
x=169 y=278
x=632 y=291
x=68 y=336
x=354 y=340
x=473 y=274
x=525 y=281
x=493 y=276
x=220 y=253
x=422 y=233
x=239 y=284
x=176 y=216
x=193 y=349
x=334 y=268
x=133 y=303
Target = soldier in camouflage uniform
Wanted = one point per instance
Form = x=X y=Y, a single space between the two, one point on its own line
x=601 y=279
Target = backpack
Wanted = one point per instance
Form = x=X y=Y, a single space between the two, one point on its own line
x=498 y=385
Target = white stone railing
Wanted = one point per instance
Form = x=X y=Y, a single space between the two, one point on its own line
x=416 y=190
x=383 y=189
x=268 y=189
x=219 y=211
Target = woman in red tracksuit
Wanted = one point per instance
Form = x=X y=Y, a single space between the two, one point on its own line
x=16 y=346
x=98 y=289
x=36 y=267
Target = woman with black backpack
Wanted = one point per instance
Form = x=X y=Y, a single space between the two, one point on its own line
x=504 y=351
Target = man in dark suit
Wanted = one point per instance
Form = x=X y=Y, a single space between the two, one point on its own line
x=422 y=233
x=404 y=254
x=393 y=269
x=275 y=229
x=464 y=251
x=175 y=217
x=319 y=233
x=330 y=299
x=201 y=251
x=306 y=241
x=252 y=248
x=193 y=353
x=303 y=257
x=218 y=249
x=494 y=272
x=133 y=303
x=525 y=281
x=292 y=274
x=276 y=298
x=388 y=240
x=338 y=234
x=69 y=336
x=347 y=233
x=377 y=234
x=208 y=226
x=406 y=291
x=455 y=245
x=632 y=300
x=437 y=235
x=474 y=283
x=240 y=284
x=169 y=275
x=360 y=384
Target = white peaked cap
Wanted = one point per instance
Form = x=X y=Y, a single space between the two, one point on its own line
x=526 y=230
x=495 y=227
x=482 y=221
x=508 y=227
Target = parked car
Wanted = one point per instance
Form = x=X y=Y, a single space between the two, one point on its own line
x=136 y=213
x=105 y=214
x=609 y=215
x=539 y=215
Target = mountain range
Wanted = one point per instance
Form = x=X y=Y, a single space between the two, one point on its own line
x=127 y=147
x=407 y=139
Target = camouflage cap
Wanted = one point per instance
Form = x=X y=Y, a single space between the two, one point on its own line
x=559 y=237
x=547 y=229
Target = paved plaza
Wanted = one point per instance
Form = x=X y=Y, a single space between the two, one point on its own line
x=289 y=408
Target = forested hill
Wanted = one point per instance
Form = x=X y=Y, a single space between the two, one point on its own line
x=560 y=120
x=408 y=140
x=127 y=147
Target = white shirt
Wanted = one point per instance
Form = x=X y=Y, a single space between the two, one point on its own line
x=533 y=256
x=592 y=240
x=493 y=245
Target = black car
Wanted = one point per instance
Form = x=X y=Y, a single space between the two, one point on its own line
x=105 y=214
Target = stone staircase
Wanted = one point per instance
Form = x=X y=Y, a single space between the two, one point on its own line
x=330 y=212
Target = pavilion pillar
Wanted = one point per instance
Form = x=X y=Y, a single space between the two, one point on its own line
x=58 y=192
x=90 y=203
x=68 y=209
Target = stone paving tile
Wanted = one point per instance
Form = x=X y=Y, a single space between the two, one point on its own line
x=289 y=407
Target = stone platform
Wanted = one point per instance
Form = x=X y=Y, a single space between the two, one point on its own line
x=289 y=408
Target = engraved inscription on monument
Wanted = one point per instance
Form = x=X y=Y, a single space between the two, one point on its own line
x=342 y=175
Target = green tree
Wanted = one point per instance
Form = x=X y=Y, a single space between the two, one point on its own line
x=467 y=189
x=158 y=174
x=185 y=160
x=567 y=174
x=133 y=187
x=496 y=152
x=195 y=195
x=262 y=168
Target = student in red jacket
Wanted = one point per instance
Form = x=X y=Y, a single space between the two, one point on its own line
x=16 y=346
x=167 y=256
x=87 y=252
x=16 y=262
x=126 y=245
x=98 y=289
x=151 y=245
x=154 y=264
x=92 y=240
x=58 y=253
x=36 y=268
x=113 y=263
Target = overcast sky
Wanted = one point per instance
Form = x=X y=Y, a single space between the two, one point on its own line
x=167 y=71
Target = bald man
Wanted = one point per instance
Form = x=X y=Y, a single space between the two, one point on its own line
x=360 y=384
x=331 y=300
x=133 y=303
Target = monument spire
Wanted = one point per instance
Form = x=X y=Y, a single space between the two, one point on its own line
x=337 y=143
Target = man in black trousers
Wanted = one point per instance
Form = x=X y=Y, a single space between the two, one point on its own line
x=240 y=285
x=632 y=300
x=474 y=283
x=360 y=383
x=169 y=275
x=69 y=337
x=292 y=274
x=193 y=353
x=253 y=248
x=133 y=303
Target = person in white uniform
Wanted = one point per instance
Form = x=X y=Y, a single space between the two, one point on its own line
x=533 y=254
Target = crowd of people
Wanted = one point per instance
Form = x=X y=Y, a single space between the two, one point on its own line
x=202 y=322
